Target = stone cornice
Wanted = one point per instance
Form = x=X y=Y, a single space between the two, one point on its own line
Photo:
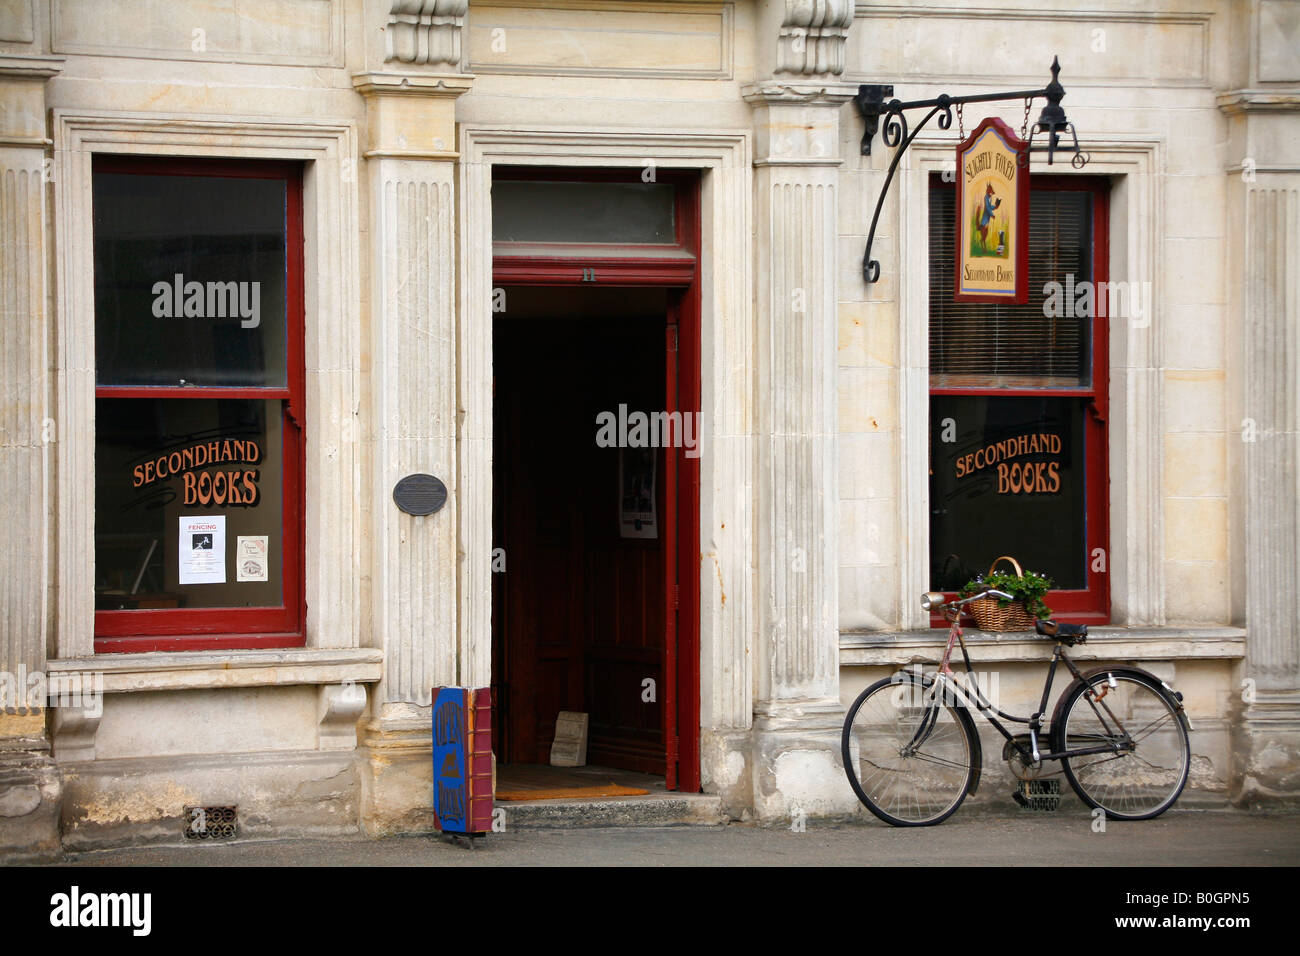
x=31 y=67
x=1259 y=101
x=412 y=84
x=799 y=93
x=196 y=670
x=1104 y=643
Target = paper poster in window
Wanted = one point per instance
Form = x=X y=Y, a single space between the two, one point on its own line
x=202 y=550
x=251 y=557
x=636 y=482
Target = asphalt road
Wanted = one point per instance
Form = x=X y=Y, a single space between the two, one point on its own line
x=1195 y=838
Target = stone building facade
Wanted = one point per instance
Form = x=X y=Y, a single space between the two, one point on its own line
x=814 y=519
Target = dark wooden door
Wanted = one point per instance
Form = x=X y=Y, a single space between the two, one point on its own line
x=581 y=612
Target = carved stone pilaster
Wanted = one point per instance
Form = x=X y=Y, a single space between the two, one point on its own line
x=1269 y=741
x=415 y=415
x=425 y=31
x=26 y=428
x=1263 y=142
x=410 y=154
x=797 y=709
x=409 y=150
x=30 y=786
x=1271 y=329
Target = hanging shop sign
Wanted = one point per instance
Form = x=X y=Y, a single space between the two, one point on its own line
x=992 y=245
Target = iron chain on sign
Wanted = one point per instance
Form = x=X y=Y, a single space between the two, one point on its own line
x=1024 y=124
x=961 y=126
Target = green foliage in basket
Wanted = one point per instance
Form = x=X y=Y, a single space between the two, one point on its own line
x=1031 y=589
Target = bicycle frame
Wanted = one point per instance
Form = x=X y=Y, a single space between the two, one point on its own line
x=944 y=682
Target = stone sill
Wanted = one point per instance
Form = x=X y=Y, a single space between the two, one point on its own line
x=1104 y=643
x=203 y=670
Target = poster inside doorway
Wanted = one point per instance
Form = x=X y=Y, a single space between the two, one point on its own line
x=636 y=482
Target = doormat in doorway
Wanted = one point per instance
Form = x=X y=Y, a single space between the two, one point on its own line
x=572 y=793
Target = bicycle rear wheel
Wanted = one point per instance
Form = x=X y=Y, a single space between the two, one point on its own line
x=1147 y=768
x=911 y=759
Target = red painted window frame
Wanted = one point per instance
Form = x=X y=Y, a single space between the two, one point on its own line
x=1090 y=605
x=185 y=629
x=564 y=267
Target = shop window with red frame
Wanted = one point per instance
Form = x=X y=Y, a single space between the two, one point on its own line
x=1018 y=397
x=198 y=404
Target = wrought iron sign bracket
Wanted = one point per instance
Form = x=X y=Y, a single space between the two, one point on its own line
x=895 y=135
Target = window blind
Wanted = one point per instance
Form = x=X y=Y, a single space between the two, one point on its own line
x=981 y=345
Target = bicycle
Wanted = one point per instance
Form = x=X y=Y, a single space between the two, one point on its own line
x=912 y=752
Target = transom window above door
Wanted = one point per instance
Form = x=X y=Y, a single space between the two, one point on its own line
x=588 y=213
x=632 y=226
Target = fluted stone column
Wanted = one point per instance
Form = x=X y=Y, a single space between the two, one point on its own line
x=797 y=712
x=1268 y=742
x=1263 y=117
x=30 y=786
x=410 y=171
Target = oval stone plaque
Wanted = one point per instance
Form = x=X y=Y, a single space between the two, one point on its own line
x=420 y=494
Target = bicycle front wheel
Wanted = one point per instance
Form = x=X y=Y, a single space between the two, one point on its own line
x=1148 y=756
x=910 y=758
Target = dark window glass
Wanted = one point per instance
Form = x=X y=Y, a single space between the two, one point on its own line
x=1012 y=481
x=190 y=280
x=159 y=461
x=1040 y=344
x=529 y=211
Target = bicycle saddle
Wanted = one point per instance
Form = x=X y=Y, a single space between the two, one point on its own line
x=1070 y=634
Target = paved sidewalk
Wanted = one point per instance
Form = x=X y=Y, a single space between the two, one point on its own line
x=1201 y=838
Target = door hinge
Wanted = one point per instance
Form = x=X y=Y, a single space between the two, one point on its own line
x=672 y=754
x=677 y=596
x=672 y=338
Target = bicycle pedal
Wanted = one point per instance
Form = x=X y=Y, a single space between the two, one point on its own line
x=1038 y=795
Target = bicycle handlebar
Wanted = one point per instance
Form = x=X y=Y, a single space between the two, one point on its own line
x=929 y=603
x=991 y=592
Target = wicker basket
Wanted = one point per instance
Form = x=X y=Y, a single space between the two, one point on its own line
x=991 y=614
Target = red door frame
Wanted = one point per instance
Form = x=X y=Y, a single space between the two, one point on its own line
x=623 y=267
x=672 y=587
x=233 y=628
x=1090 y=605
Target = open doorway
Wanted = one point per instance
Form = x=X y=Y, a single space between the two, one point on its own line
x=586 y=528
x=596 y=321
